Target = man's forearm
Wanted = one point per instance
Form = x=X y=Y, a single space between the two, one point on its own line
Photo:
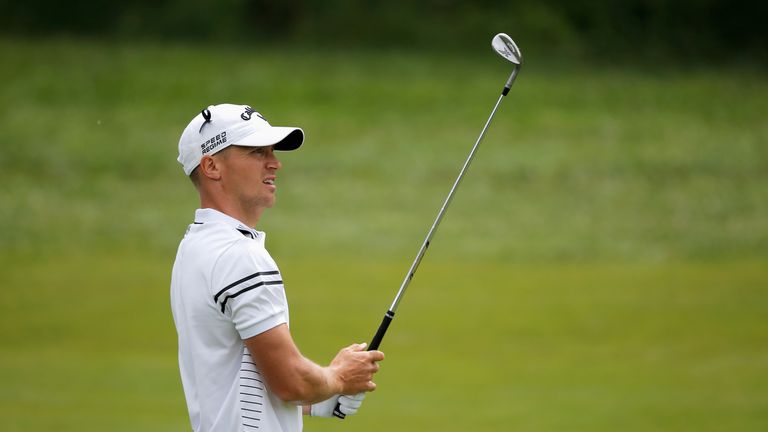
x=314 y=383
x=294 y=378
x=291 y=376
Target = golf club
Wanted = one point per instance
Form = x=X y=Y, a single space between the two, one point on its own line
x=507 y=49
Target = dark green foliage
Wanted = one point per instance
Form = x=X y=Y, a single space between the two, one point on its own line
x=707 y=30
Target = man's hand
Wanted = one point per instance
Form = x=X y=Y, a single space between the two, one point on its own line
x=353 y=367
x=348 y=405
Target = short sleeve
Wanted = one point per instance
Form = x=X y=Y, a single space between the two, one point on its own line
x=248 y=289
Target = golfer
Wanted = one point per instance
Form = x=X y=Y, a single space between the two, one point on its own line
x=240 y=368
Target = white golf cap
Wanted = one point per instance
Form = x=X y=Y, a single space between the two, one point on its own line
x=220 y=126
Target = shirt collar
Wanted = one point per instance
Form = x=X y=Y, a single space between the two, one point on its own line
x=209 y=215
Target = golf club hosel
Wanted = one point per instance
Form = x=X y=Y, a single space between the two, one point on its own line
x=510 y=81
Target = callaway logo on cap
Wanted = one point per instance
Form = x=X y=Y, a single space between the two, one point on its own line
x=220 y=126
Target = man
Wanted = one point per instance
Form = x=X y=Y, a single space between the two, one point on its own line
x=240 y=368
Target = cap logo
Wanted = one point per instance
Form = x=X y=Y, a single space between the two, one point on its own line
x=214 y=142
x=246 y=115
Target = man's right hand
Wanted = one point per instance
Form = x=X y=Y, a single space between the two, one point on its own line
x=353 y=367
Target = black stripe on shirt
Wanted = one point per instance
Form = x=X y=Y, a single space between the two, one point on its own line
x=265 y=273
x=244 y=290
x=252 y=379
x=253 y=387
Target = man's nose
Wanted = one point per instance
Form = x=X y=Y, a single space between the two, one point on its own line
x=273 y=162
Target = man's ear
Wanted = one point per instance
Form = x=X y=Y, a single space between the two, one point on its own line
x=210 y=168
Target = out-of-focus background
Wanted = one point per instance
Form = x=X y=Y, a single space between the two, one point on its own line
x=604 y=265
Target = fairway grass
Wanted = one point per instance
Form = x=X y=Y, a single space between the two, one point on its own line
x=579 y=164
x=89 y=344
x=603 y=267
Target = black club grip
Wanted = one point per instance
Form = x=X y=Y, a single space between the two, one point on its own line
x=376 y=341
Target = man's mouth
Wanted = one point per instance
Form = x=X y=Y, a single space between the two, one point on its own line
x=269 y=181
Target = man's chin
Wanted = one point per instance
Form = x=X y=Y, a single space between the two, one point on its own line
x=267 y=203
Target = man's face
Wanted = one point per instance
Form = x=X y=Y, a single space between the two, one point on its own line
x=248 y=175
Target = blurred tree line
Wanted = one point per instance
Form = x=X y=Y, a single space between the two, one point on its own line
x=685 y=29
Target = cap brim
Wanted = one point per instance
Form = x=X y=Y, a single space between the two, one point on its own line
x=283 y=138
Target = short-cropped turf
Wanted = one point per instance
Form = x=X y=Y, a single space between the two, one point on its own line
x=603 y=267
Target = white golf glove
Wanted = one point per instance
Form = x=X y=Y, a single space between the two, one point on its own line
x=348 y=405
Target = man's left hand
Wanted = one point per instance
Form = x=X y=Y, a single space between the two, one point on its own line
x=348 y=405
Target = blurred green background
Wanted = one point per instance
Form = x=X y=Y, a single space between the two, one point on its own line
x=604 y=265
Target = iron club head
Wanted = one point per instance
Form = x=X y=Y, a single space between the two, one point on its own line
x=506 y=47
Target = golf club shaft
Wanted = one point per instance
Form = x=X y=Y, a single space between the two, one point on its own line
x=377 y=338
x=390 y=314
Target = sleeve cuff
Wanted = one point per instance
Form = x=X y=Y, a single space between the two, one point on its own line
x=252 y=329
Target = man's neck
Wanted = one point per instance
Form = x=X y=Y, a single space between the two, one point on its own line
x=248 y=217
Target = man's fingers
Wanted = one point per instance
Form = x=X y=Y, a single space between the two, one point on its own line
x=357 y=347
x=356 y=368
x=376 y=355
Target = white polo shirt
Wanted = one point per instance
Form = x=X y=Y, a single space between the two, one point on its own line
x=226 y=288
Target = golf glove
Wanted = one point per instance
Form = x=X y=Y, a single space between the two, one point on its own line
x=348 y=405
